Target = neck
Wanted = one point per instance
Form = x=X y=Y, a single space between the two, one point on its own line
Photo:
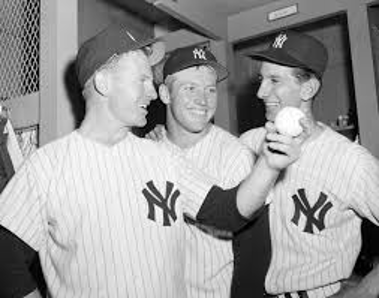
x=100 y=127
x=315 y=128
x=183 y=138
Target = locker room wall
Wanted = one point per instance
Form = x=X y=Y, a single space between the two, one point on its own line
x=94 y=15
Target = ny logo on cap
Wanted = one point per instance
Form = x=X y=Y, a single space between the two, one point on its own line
x=279 y=41
x=199 y=54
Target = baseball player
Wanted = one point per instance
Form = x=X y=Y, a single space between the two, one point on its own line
x=317 y=206
x=104 y=208
x=190 y=94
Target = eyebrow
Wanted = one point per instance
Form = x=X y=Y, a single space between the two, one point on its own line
x=272 y=76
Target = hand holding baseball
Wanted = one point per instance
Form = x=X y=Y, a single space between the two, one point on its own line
x=280 y=150
x=285 y=137
x=287 y=121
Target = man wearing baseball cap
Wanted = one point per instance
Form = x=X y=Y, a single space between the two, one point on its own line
x=316 y=209
x=104 y=208
x=189 y=91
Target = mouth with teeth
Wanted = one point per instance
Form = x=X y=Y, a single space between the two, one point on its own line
x=143 y=106
x=200 y=112
x=271 y=109
x=272 y=104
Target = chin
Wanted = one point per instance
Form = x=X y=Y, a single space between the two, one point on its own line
x=141 y=123
x=270 y=117
x=199 y=129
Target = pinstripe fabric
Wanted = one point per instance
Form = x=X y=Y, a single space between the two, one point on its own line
x=340 y=180
x=209 y=258
x=84 y=207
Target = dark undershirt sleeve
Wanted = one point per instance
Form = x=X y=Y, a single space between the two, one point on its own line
x=15 y=258
x=219 y=210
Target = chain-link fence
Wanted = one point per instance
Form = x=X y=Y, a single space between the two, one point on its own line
x=19 y=47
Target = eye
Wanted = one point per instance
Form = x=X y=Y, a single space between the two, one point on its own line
x=274 y=80
x=189 y=88
x=146 y=79
x=211 y=90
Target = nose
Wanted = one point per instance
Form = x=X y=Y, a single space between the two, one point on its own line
x=263 y=91
x=201 y=97
x=151 y=92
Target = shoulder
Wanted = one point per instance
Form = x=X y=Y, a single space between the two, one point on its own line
x=225 y=137
x=155 y=148
x=229 y=153
x=345 y=146
x=50 y=154
x=253 y=134
x=155 y=151
x=347 y=156
x=228 y=142
x=253 y=138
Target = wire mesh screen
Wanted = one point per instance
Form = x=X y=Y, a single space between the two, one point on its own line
x=19 y=47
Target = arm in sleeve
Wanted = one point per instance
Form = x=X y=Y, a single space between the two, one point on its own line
x=254 y=139
x=21 y=207
x=15 y=258
x=365 y=201
x=194 y=185
x=228 y=210
x=219 y=210
x=237 y=165
x=365 y=186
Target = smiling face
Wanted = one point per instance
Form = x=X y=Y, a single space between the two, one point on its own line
x=192 y=99
x=279 y=88
x=131 y=89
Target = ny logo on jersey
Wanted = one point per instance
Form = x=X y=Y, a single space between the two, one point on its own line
x=302 y=205
x=165 y=203
x=279 y=41
x=199 y=54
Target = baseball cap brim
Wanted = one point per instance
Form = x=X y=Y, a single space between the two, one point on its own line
x=278 y=57
x=156 y=50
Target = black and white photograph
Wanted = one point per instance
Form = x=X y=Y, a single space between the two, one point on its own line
x=189 y=149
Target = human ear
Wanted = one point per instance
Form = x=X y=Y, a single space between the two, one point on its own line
x=309 y=89
x=164 y=94
x=101 y=83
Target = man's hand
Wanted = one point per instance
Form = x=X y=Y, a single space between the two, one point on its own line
x=353 y=290
x=34 y=294
x=157 y=133
x=280 y=150
x=367 y=287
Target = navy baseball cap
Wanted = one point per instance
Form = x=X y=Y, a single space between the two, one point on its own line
x=186 y=57
x=113 y=40
x=294 y=49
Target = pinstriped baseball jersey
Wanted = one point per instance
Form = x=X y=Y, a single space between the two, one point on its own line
x=315 y=227
x=106 y=221
x=209 y=258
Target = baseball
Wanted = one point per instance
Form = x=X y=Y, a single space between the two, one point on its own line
x=287 y=121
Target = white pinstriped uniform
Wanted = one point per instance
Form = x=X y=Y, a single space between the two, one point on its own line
x=209 y=258
x=81 y=205
x=342 y=176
